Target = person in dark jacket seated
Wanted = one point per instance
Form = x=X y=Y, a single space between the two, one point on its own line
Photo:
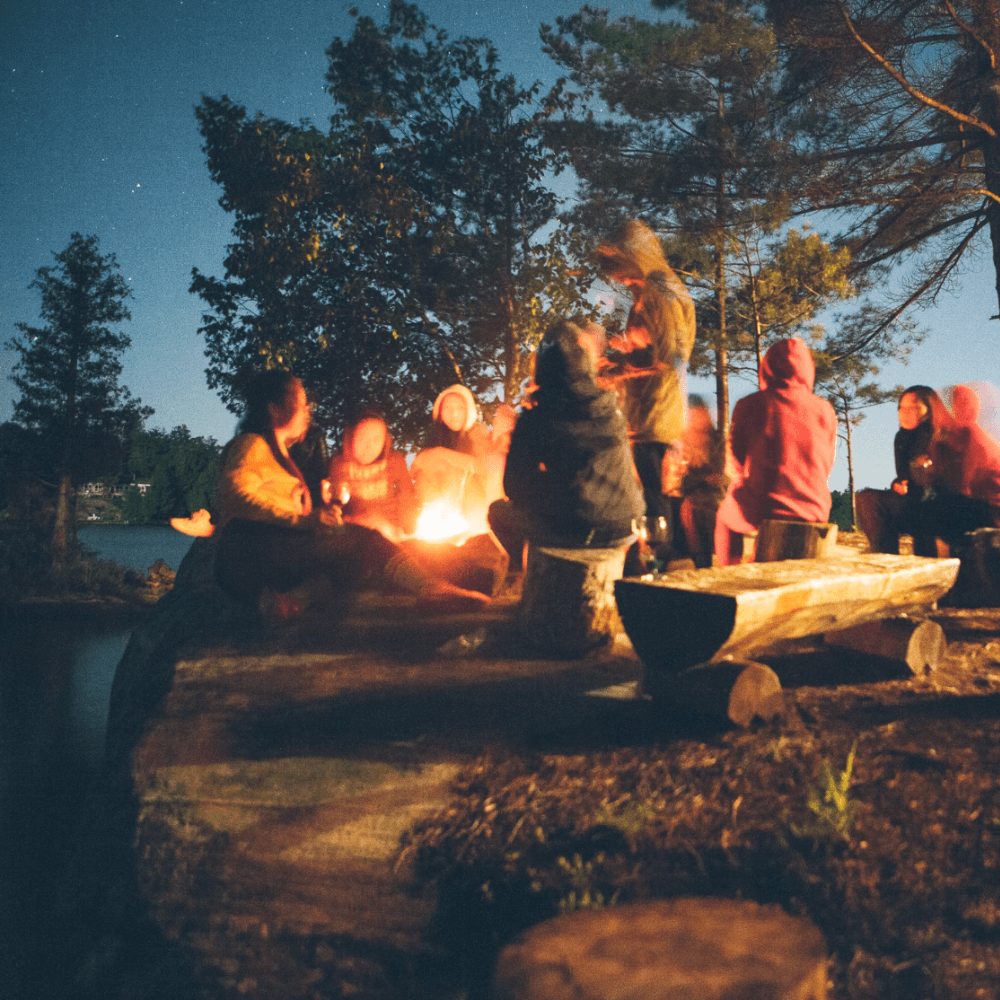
x=884 y=515
x=569 y=475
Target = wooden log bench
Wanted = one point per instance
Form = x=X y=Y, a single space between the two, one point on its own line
x=683 y=621
x=709 y=949
x=568 y=600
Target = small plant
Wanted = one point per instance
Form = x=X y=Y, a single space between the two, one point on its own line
x=829 y=803
x=582 y=893
x=630 y=820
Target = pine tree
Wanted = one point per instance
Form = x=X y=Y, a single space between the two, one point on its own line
x=679 y=121
x=900 y=101
x=68 y=371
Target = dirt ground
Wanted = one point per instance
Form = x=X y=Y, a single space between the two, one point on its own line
x=872 y=808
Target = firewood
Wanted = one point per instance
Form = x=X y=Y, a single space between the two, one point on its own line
x=918 y=646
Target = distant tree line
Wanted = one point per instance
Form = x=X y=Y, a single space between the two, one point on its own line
x=180 y=470
x=177 y=469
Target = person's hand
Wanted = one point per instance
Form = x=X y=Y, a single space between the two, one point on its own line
x=331 y=516
x=901 y=486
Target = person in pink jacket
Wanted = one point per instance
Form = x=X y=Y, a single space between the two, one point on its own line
x=782 y=441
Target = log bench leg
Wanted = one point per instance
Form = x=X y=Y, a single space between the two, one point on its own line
x=913 y=645
x=777 y=540
x=733 y=691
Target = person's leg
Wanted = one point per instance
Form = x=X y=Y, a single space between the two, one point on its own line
x=697 y=520
x=728 y=544
x=880 y=517
x=648 y=458
x=511 y=530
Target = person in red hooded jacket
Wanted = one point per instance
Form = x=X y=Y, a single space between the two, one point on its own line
x=963 y=471
x=782 y=441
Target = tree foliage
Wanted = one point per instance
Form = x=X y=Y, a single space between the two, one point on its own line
x=68 y=370
x=403 y=248
x=679 y=120
x=180 y=469
x=900 y=103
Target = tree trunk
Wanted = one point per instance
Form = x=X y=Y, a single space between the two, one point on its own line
x=850 y=469
x=991 y=153
x=64 y=527
x=722 y=350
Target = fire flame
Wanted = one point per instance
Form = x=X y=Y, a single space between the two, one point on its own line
x=442 y=521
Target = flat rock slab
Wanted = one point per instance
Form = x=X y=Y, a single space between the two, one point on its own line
x=274 y=782
x=680 y=949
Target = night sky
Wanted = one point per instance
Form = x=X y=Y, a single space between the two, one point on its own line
x=98 y=135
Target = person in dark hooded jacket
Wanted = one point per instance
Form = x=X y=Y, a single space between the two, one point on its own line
x=569 y=474
x=782 y=442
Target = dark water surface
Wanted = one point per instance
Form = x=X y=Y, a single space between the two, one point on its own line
x=55 y=680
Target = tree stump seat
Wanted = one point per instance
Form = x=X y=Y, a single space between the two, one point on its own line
x=667 y=950
x=700 y=617
x=778 y=540
x=978 y=583
x=568 y=600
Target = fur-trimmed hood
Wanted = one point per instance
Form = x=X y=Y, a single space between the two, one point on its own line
x=633 y=250
x=471 y=410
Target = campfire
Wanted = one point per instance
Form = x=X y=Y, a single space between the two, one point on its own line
x=443 y=521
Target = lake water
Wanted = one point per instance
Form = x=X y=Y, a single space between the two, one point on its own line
x=136 y=547
x=55 y=681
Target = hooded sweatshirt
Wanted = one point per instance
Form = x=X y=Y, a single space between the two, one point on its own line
x=382 y=487
x=783 y=442
x=569 y=470
x=974 y=454
x=653 y=402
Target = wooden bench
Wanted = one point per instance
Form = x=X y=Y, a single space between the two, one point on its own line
x=683 y=621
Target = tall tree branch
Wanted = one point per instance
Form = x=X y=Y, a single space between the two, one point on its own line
x=913 y=91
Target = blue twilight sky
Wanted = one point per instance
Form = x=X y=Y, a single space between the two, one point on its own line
x=98 y=135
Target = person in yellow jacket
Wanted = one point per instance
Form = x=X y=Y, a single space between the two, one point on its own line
x=270 y=534
x=647 y=362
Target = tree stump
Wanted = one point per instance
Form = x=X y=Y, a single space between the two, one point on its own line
x=914 y=645
x=736 y=691
x=978 y=583
x=778 y=540
x=568 y=599
x=711 y=949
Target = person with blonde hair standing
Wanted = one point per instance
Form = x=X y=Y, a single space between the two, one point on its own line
x=647 y=362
